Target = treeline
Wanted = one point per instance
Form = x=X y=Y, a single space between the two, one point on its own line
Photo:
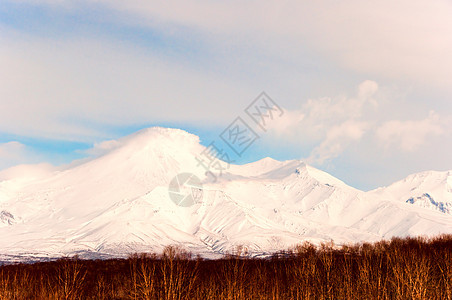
x=409 y=268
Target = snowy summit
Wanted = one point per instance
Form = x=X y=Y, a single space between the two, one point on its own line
x=118 y=203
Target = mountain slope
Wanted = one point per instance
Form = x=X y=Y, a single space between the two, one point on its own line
x=429 y=189
x=119 y=203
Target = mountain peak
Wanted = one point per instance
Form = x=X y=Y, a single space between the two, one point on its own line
x=119 y=201
x=155 y=135
x=165 y=131
x=146 y=138
x=431 y=189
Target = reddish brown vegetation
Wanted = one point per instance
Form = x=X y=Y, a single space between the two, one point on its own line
x=411 y=268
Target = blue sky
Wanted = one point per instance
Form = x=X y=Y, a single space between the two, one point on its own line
x=366 y=88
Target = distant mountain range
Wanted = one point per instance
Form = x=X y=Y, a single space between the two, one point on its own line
x=119 y=203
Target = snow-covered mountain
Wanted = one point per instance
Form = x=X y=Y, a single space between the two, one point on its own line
x=118 y=203
x=426 y=189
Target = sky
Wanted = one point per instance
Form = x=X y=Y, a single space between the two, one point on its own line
x=365 y=88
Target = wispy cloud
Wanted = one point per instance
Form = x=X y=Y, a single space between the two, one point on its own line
x=411 y=134
x=393 y=39
x=74 y=89
x=15 y=153
x=331 y=124
x=80 y=70
x=337 y=139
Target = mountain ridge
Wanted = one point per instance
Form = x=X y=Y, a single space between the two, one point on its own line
x=118 y=202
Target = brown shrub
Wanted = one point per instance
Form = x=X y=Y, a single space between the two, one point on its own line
x=402 y=268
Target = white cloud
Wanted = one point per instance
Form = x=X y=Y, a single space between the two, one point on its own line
x=14 y=153
x=318 y=115
x=410 y=135
x=103 y=147
x=72 y=89
x=330 y=124
x=394 y=39
x=65 y=88
x=78 y=83
x=367 y=90
x=11 y=150
x=337 y=139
